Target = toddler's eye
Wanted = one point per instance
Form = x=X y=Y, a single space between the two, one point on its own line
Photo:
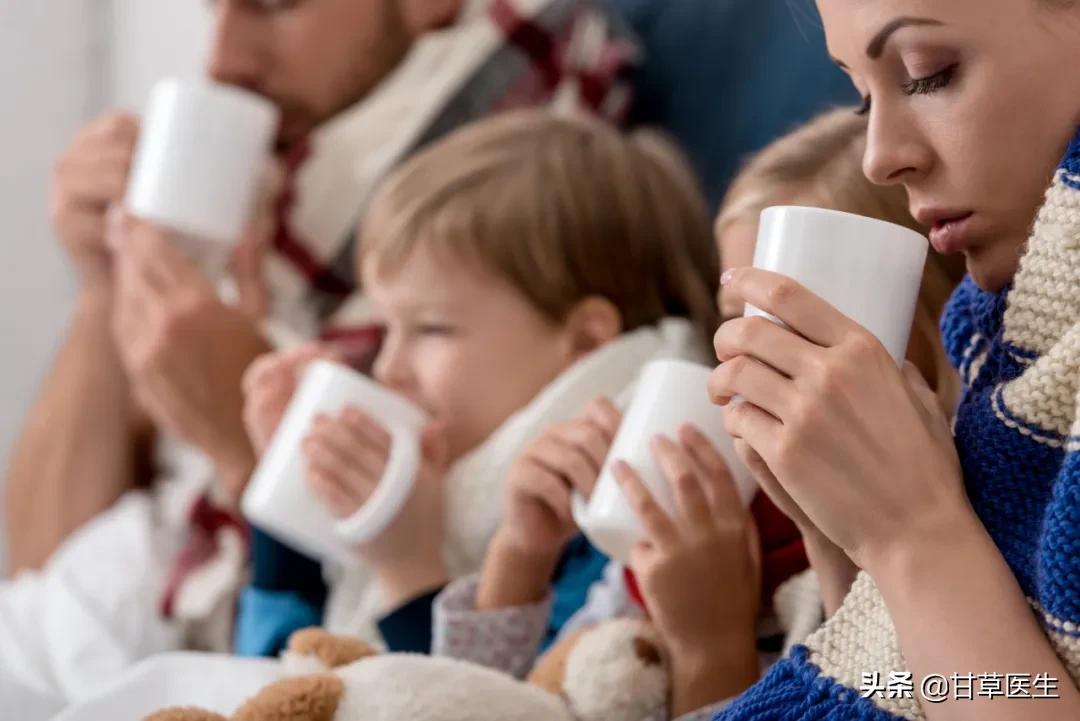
x=434 y=329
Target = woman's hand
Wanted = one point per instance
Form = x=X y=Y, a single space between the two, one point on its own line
x=699 y=571
x=538 y=521
x=835 y=571
x=269 y=384
x=346 y=455
x=849 y=439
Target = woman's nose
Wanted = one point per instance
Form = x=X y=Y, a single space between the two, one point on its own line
x=895 y=152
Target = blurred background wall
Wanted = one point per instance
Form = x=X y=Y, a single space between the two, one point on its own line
x=62 y=62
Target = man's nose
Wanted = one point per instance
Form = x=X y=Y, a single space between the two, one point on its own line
x=237 y=56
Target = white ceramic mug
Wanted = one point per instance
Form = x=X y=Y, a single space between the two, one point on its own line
x=278 y=499
x=868 y=269
x=201 y=153
x=669 y=394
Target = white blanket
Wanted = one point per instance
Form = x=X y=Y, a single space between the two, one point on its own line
x=93 y=610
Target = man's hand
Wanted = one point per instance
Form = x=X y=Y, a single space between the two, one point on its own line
x=184 y=350
x=91 y=176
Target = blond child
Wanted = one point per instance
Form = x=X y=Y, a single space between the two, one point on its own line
x=521 y=268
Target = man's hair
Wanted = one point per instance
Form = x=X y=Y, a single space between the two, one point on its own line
x=562 y=208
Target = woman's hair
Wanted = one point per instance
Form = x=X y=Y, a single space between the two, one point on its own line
x=821 y=164
x=561 y=207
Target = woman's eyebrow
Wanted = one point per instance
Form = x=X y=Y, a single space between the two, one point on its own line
x=876 y=46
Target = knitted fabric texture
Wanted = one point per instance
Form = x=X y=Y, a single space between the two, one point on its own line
x=1018 y=435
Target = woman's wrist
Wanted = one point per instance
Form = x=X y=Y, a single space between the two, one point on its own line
x=958 y=609
x=927 y=549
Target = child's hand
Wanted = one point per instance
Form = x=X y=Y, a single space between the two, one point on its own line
x=269 y=384
x=346 y=455
x=566 y=458
x=538 y=521
x=699 y=571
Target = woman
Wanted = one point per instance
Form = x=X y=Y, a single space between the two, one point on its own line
x=971 y=105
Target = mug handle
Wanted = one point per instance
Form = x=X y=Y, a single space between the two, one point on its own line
x=391 y=493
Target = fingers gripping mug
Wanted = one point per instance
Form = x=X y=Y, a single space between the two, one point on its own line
x=669 y=393
x=278 y=499
x=868 y=269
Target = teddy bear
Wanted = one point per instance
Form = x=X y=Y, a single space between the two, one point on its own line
x=614 y=671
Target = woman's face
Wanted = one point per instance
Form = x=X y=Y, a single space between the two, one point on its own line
x=971 y=105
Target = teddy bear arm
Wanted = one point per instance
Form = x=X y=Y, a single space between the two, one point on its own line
x=332 y=650
x=304 y=698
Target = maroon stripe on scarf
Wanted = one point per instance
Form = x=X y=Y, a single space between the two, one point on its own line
x=319 y=276
x=597 y=83
x=532 y=39
x=204 y=522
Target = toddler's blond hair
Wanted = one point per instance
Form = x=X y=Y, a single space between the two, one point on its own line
x=561 y=207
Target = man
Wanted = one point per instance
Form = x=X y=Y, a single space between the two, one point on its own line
x=122 y=553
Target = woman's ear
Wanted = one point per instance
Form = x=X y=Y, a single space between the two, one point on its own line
x=591 y=323
x=422 y=16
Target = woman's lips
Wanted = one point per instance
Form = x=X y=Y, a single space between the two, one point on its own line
x=951 y=235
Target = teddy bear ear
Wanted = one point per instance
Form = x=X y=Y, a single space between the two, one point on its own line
x=549 y=671
x=185 y=714
x=333 y=651
x=305 y=698
x=647 y=652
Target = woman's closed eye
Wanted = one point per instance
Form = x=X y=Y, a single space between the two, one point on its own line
x=931 y=83
x=927 y=85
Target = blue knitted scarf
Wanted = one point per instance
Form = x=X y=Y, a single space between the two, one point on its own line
x=1018 y=435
